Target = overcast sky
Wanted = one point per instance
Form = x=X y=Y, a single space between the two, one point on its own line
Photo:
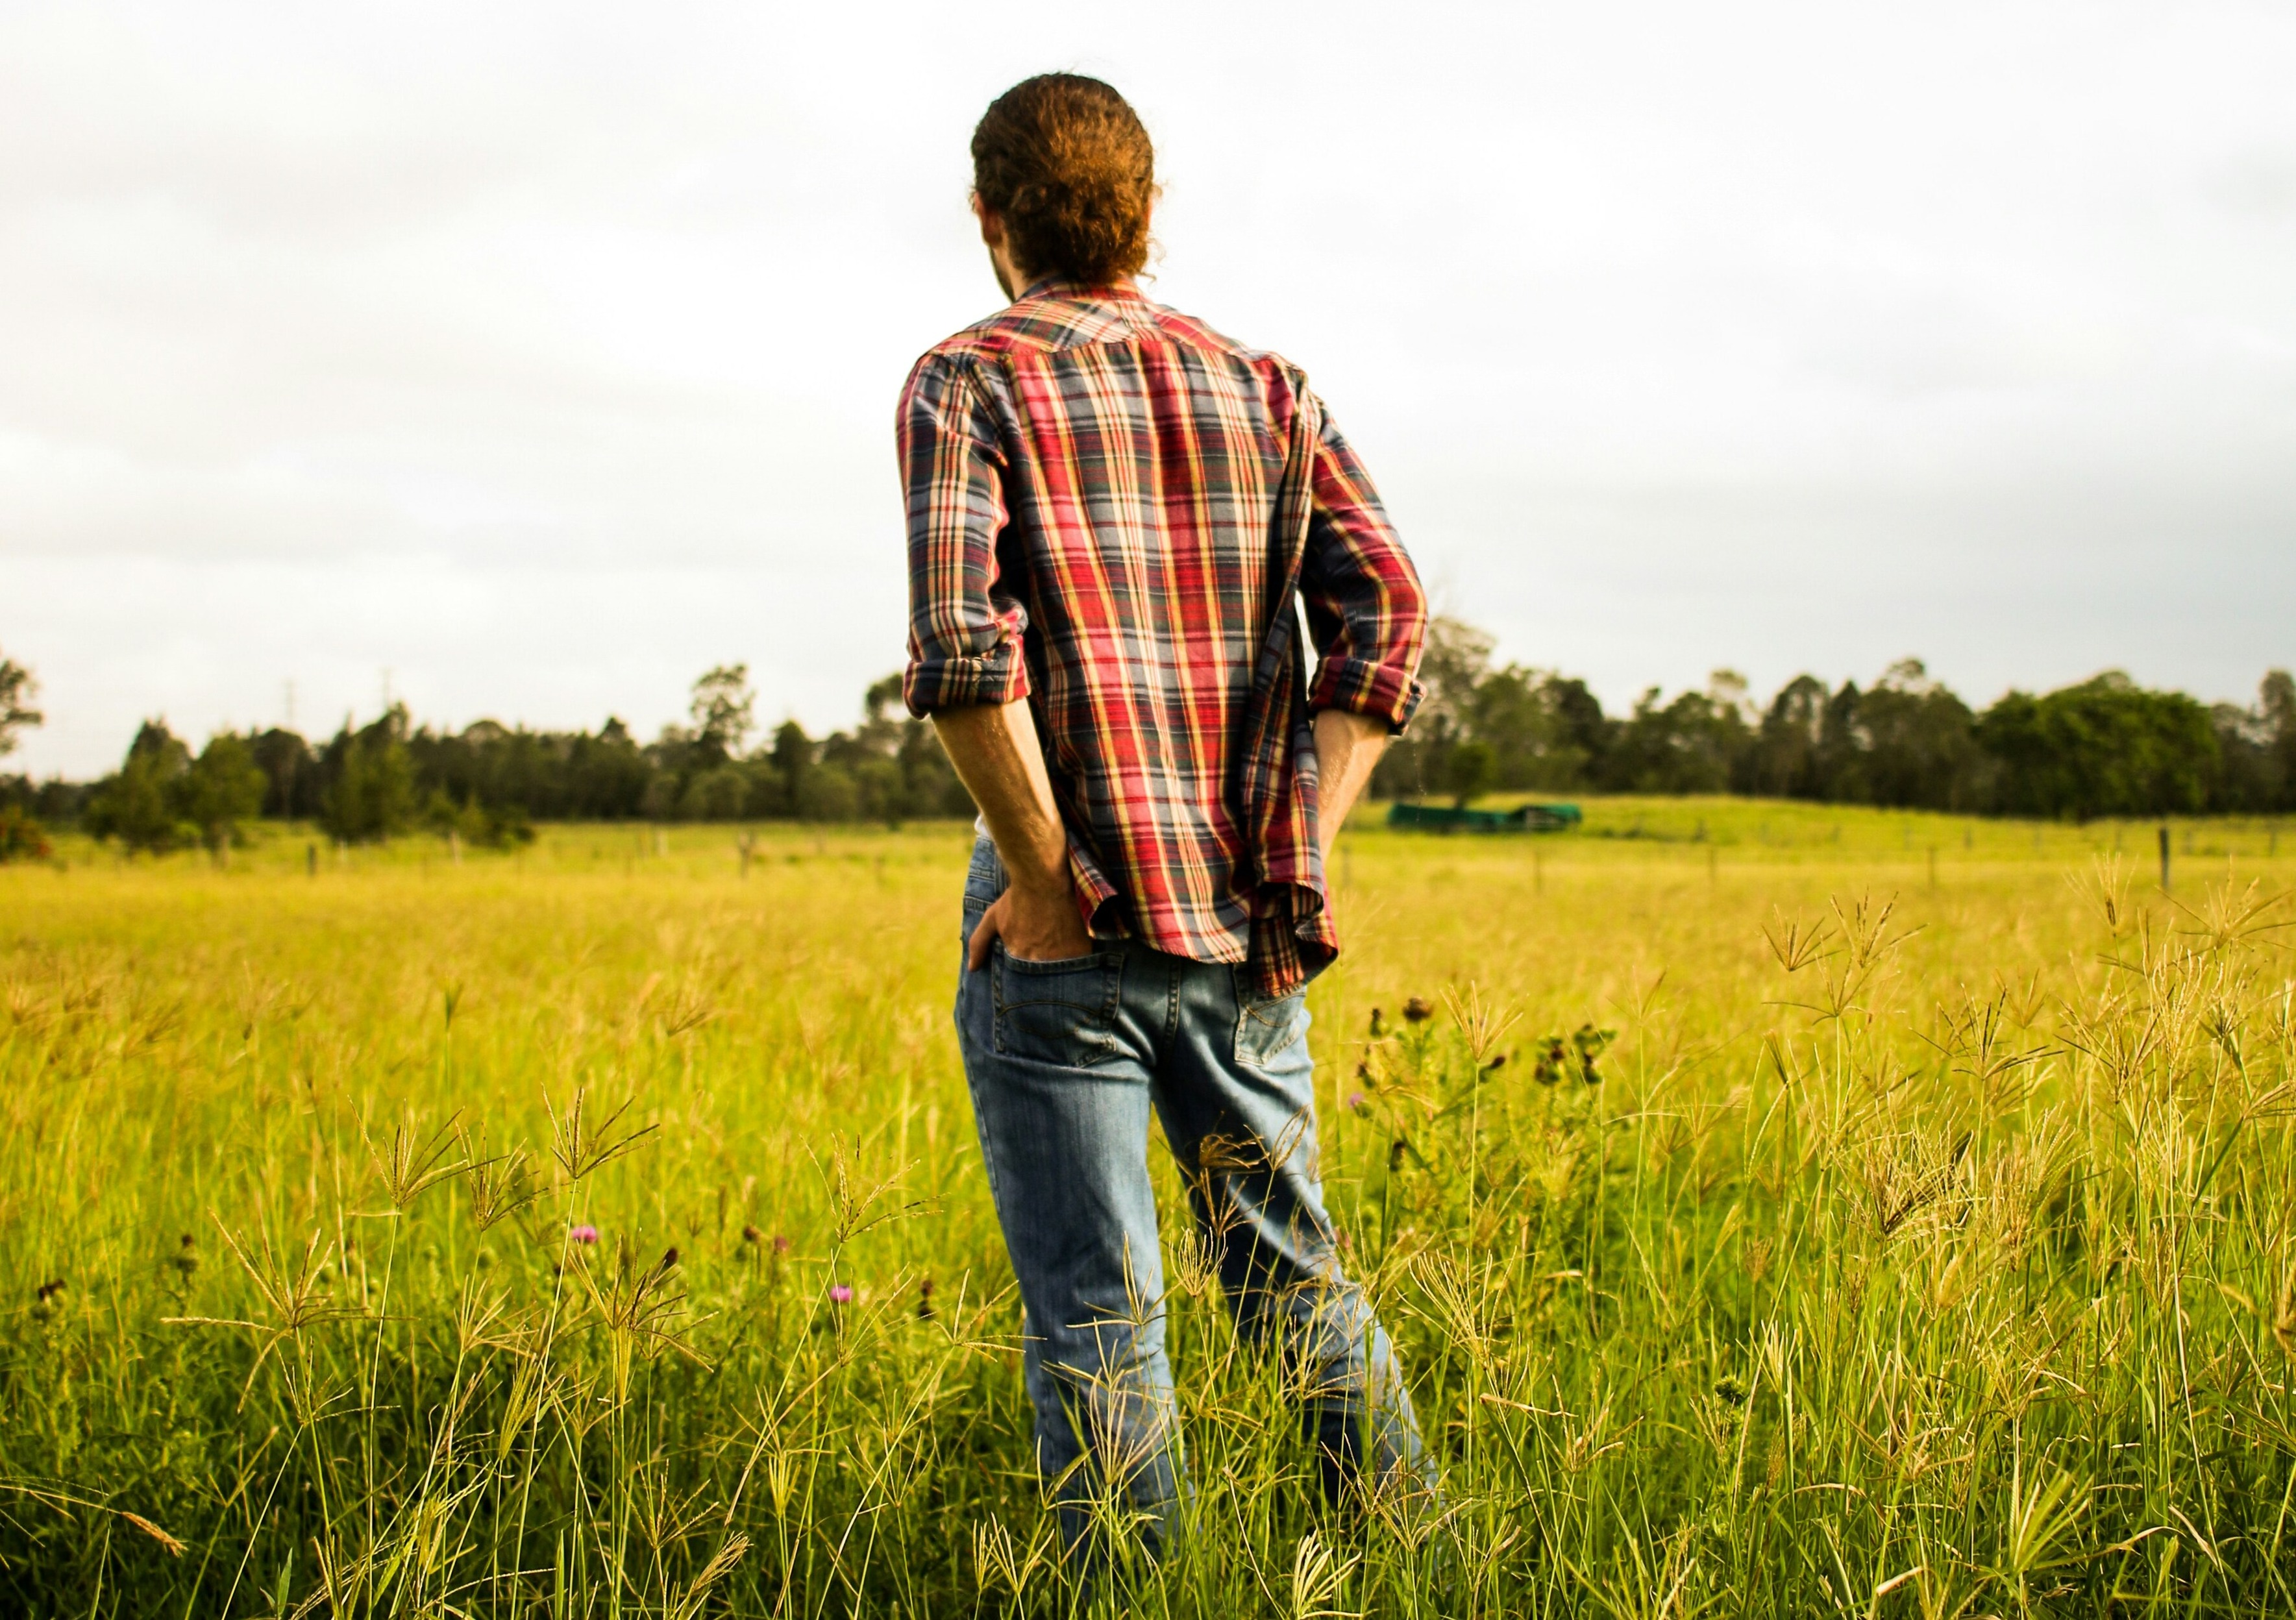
x=543 y=356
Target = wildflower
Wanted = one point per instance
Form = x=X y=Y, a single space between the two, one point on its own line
x=584 y=1233
x=781 y=1244
x=1417 y=1012
x=1590 y=1042
x=1355 y=1102
x=840 y=1294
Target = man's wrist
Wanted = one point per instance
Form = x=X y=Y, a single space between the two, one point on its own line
x=1042 y=889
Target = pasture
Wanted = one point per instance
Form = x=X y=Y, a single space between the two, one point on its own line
x=1781 y=1210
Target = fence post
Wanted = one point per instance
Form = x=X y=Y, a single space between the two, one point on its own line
x=2164 y=858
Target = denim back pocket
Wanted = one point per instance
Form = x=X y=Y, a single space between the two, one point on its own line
x=1266 y=1028
x=1059 y=1012
x=984 y=880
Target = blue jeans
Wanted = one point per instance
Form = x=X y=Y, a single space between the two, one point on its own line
x=1064 y=1060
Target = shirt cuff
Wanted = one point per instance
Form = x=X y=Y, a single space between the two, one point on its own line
x=1378 y=691
x=1093 y=893
x=999 y=675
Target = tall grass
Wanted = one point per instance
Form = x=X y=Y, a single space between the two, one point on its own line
x=601 y=1232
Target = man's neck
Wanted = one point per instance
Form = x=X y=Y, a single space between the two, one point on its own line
x=1027 y=285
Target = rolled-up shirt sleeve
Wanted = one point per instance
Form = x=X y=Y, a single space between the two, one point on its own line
x=1366 y=609
x=964 y=633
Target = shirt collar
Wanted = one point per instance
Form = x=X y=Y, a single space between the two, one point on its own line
x=1065 y=287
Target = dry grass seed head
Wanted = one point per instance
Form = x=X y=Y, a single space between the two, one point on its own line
x=582 y=1143
x=409 y=1164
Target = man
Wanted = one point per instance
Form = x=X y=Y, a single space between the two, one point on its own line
x=1111 y=511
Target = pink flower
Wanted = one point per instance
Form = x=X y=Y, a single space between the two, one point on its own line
x=584 y=1234
x=781 y=1244
x=840 y=1295
x=1355 y=1102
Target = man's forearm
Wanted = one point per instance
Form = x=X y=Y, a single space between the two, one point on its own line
x=997 y=756
x=1348 y=746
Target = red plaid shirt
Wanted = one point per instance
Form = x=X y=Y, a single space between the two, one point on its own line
x=1111 y=508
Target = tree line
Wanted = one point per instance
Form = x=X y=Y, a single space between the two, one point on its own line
x=2106 y=747
x=488 y=783
x=2103 y=748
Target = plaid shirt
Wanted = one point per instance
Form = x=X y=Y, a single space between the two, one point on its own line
x=1111 y=508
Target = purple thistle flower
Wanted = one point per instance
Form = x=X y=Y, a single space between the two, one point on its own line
x=840 y=1295
x=584 y=1234
x=1355 y=1102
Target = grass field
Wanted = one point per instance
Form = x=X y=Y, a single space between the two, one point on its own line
x=1923 y=1243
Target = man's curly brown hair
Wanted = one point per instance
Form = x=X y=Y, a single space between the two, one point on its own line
x=1068 y=164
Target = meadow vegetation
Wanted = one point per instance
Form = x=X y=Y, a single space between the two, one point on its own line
x=1781 y=1210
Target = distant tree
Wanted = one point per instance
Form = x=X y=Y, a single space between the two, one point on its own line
x=828 y=793
x=1452 y=669
x=291 y=774
x=724 y=712
x=371 y=794
x=1469 y=771
x=2276 y=709
x=606 y=775
x=1581 y=726
x=219 y=790
x=2263 y=754
x=1456 y=661
x=718 y=795
x=1518 y=714
x=476 y=823
x=895 y=762
x=1692 y=744
x=2256 y=748
x=928 y=781
x=1920 y=743
x=1786 y=760
x=140 y=805
x=792 y=763
x=2106 y=747
x=1544 y=729
x=17 y=690
x=21 y=837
